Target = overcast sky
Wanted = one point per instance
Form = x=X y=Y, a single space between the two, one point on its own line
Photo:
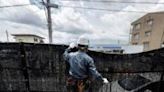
x=101 y=27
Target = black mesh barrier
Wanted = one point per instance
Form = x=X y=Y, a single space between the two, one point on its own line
x=40 y=67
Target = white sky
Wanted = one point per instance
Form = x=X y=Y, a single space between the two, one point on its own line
x=101 y=27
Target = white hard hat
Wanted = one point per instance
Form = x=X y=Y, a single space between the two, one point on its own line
x=83 y=41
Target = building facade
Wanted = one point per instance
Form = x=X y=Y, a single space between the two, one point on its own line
x=29 y=38
x=148 y=31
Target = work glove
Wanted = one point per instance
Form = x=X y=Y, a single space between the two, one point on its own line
x=72 y=47
x=105 y=81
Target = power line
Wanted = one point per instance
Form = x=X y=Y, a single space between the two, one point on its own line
x=101 y=9
x=19 y=5
x=109 y=1
x=89 y=8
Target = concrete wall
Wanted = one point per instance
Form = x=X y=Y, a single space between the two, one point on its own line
x=40 y=67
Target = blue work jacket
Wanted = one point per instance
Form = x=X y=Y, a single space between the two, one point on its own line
x=81 y=65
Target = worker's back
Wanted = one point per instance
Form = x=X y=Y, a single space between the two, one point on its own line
x=79 y=62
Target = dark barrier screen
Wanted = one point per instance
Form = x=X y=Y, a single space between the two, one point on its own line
x=40 y=67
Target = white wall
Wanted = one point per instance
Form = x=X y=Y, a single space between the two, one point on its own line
x=29 y=39
x=129 y=49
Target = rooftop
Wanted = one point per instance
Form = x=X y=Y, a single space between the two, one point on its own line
x=159 y=12
x=28 y=35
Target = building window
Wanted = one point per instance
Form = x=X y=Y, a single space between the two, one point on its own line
x=41 y=41
x=20 y=40
x=137 y=26
x=35 y=40
x=162 y=45
x=148 y=33
x=136 y=36
x=146 y=45
x=135 y=43
x=150 y=22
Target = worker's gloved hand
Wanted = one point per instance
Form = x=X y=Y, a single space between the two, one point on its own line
x=72 y=47
x=105 y=81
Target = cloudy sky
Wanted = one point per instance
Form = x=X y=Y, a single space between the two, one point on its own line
x=101 y=27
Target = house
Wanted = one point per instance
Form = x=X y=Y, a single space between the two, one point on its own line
x=149 y=31
x=29 y=38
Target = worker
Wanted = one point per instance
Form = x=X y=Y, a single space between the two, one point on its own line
x=81 y=67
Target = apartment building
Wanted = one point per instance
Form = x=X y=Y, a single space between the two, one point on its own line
x=149 y=31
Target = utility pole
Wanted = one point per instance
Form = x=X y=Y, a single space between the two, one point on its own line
x=49 y=21
x=7 y=35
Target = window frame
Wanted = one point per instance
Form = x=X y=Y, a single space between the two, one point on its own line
x=20 y=40
x=136 y=36
x=146 y=45
x=148 y=33
x=137 y=26
x=149 y=21
x=35 y=39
